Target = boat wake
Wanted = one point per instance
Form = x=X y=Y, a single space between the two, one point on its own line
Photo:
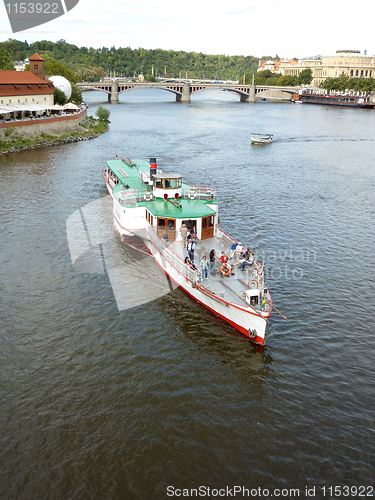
x=94 y=248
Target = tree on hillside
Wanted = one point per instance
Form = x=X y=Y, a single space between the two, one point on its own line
x=53 y=67
x=150 y=78
x=305 y=77
x=87 y=75
x=76 y=94
x=59 y=97
x=287 y=81
x=265 y=77
x=5 y=61
x=99 y=71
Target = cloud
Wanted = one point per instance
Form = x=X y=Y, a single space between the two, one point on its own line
x=212 y=27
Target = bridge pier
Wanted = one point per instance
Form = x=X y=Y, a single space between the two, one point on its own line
x=113 y=96
x=251 y=96
x=185 y=97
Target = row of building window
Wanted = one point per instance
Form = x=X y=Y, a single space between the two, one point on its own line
x=320 y=73
x=19 y=101
x=363 y=73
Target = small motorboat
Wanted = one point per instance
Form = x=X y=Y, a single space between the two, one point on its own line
x=261 y=138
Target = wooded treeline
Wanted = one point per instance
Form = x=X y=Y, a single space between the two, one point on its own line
x=89 y=63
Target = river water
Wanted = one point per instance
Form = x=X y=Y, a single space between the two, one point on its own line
x=102 y=403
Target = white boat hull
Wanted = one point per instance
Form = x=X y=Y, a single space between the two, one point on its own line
x=242 y=317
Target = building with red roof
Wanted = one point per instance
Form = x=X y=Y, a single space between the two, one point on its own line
x=26 y=87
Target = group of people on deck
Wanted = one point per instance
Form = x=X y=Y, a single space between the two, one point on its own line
x=245 y=257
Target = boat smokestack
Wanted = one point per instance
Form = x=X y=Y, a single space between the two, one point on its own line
x=152 y=167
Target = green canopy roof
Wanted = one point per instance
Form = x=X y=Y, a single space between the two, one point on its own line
x=127 y=171
x=191 y=209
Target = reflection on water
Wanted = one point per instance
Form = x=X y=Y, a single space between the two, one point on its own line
x=101 y=400
x=94 y=248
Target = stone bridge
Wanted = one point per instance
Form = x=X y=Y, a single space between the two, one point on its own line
x=184 y=90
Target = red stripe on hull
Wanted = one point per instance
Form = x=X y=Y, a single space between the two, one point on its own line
x=257 y=339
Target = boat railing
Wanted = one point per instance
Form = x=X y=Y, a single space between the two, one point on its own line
x=174 y=259
x=258 y=271
x=110 y=179
x=224 y=236
x=199 y=193
x=110 y=182
x=133 y=196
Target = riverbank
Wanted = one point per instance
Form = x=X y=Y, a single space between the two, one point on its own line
x=13 y=142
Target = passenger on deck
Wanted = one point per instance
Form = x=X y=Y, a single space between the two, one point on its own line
x=232 y=249
x=204 y=266
x=239 y=249
x=248 y=261
x=190 y=249
x=165 y=237
x=190 y=264
x=194 y=234
x=212 y=260
x=183 y=232
x=223 y=258
x=244 y=255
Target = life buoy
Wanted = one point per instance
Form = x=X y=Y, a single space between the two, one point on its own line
x=192 y=195
x=148 y=196
x=252 y=333
x=225 y=270
x=253 y=284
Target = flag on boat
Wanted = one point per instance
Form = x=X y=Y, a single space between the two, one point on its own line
x=116 y=155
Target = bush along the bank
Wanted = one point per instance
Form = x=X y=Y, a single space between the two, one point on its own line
x=15 y=144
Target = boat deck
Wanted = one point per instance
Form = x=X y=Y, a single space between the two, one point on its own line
x=231 y=288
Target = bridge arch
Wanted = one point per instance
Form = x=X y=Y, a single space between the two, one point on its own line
x=184 y=90
x=274 y=94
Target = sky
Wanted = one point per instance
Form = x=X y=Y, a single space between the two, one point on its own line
x=256 y=28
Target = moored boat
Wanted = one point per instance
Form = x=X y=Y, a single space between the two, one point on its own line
x=346 y=99
x=157 y=207
x=261 y=138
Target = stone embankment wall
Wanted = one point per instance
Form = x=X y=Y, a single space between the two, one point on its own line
x=56 y=125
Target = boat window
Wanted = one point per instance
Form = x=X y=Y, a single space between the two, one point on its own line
x=204 y=223
x=189 y=223
x=171 y=224
x=211 y=221
x=161 y=223
x=172 y=183
x=158 y=183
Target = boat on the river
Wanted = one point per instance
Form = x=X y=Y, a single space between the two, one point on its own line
x=346 y=99
x=261 y=138
x=154 y=206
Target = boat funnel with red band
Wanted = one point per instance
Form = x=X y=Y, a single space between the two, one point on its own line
x=152 y=167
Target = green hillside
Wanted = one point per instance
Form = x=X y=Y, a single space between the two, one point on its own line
x=89 y=63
